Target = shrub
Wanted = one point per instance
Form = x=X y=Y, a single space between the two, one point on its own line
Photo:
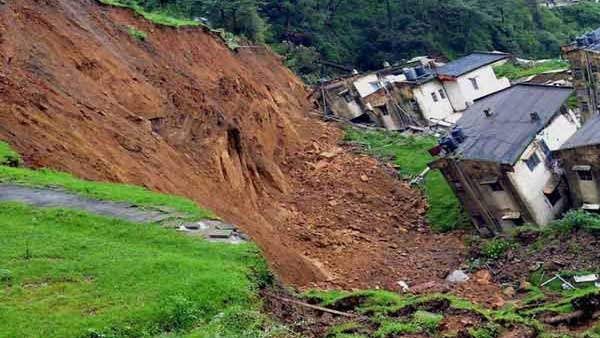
x=427 y=320
x=495 y=248
x=575 y=220
x=8 y=156
x=136 y=33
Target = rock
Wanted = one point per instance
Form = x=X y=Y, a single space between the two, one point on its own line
x=333 y=203
x=328 y=154
x=524 y=285
x=457 y=276
x=364 y=178
x=403 y=286
x=509 y=292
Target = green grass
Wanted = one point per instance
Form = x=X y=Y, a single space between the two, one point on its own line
x=72 y=274
x=136 y=33
x=159 y=18
x=515 y=72
x=102 y=191
x=411 y=154
x=8 y=156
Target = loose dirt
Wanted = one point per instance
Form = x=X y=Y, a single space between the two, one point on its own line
x=180 y=113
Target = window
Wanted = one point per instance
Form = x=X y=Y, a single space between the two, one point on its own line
x=533 y=161
x=348 y=97
x=434 y=97
x=442 y=94
x=474 y=83
x=578 y=73
x=384 y=110
x=585 y=107
x=496 y=187
x=585 y=175
x=554 y=196
x=546 y=150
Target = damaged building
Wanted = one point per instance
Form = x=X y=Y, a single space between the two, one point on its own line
x=580 y=157
x=584 y=56
x=498 y=158
x=418 y=93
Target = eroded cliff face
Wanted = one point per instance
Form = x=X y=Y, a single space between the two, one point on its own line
x=182 y=114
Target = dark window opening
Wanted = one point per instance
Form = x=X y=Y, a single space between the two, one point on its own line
x=585 y=107
x=554 y=196
x=348 y=97
x=519 y=221
x=442 y=94
x=384 y=110
x=496 y=187
x=585 y=175
x=533 y=161
x=479 y=220
x=474 y=83
x=363 y=119
x=578 y=74
x=434 y=97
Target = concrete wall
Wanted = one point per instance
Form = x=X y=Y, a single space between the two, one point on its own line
x=462 y=93
x=530 y=184
x=429 y=108
x=582 y=191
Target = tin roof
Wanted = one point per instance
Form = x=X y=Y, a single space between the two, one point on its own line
x=470 y=63
x=504 y=135
x=588 y=135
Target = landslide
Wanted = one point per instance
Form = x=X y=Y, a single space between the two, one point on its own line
x=178 y=112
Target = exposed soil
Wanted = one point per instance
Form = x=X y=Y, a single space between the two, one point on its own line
x=182 y=114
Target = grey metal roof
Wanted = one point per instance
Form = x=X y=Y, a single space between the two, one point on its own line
x=504 y=136
x=588 y=135
x=469 y=63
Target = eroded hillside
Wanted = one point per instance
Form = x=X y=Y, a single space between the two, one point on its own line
x=178 y=112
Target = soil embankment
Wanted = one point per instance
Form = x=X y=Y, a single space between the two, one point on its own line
x=182 y=114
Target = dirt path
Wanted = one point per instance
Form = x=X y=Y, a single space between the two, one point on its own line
x=55 y=198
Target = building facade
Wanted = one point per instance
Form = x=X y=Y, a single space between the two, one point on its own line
x=580 y=159
x=499 y=160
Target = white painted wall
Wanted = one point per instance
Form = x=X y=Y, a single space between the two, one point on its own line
x=462 y=93
x=530 y=184
x=431 y=109
x=365 y=85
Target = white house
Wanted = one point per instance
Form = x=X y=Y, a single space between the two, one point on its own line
x=499 y=159
x=472 y=77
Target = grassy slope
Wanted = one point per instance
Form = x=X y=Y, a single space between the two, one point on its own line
x=515 y=72
x=73 y=272
x=65 y=273
x=410 y=153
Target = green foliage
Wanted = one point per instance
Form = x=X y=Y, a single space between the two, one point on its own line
x=98 y=277
x=393 y=328
x=136 y=33
x=427 y=320
x=9 y=157
x=496 y=248
x=575 y=220
x=411 y=154
x=515 y=72
x=159 y=17
x=488 y=331
x=102 y=191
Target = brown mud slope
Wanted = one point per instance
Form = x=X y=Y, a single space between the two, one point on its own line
x=180 y=113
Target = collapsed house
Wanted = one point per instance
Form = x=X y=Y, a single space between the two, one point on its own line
x=498 y=160
x=417 y=93
x=584 y=56
x=580 y=157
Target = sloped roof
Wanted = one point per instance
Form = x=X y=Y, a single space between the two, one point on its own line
x=504 y=136
x=470 y=63
x=588 y=135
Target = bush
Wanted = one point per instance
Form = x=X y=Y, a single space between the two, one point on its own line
x=9 y=157
x=575 y=220
x=138 y=34
x=495 y=248
x=427 y=320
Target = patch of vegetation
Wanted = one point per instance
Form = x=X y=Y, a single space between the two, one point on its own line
x=576 y=220
x=9 y=157
x=412 y=156
x=391 y=328
x=515 y=71
x=73 y=274
x=102 y=191
x=496 y=248
x=136 y=33
x=157 y=17
x=428 y=321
